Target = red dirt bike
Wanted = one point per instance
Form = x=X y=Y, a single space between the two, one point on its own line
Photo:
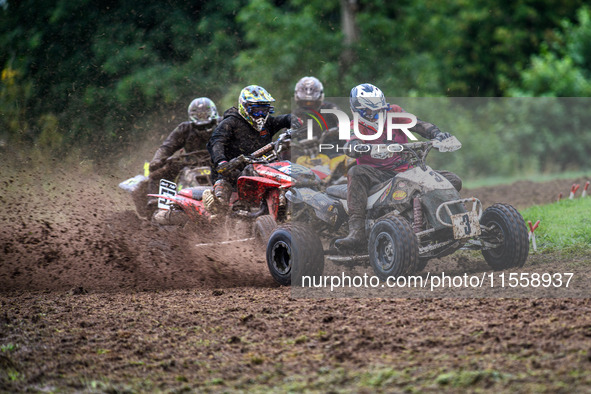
x=261 y=188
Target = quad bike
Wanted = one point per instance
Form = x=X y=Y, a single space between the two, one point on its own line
x=193 y=170
x=261 y=187
x=412 y=218
x=331 y=168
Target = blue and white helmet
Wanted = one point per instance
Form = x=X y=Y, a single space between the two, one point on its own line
x=368 y=101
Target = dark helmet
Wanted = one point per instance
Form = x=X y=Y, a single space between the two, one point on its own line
x=309 y=93
x=203 y=113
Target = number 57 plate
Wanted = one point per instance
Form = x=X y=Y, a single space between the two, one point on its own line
x=167 y=188
x=465 y=225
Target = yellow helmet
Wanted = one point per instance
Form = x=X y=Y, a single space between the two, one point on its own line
x=254 y=104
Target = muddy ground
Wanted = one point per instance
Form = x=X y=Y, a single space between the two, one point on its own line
x=94 y=299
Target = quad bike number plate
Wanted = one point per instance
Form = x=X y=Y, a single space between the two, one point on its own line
x=167 y=188
x=465 y=225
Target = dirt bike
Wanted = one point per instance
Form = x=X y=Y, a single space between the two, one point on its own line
x=260 y=191
x=193 y=170
x=414 y=217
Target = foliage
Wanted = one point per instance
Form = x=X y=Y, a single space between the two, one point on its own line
x=100 y=66
x=285 y=44
x=95 y=74
x=563 y=66
x=510 y=135
x=14 y=94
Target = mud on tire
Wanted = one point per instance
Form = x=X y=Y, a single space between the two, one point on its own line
x=509 y=224
x=140 y=199
x=393 y=247
x=421 y=264
x=263 y=228
x=294 y=250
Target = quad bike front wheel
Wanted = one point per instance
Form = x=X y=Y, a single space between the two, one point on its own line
x=508 y=230
x=294 y=250
x=421 y=264
x=393 y=247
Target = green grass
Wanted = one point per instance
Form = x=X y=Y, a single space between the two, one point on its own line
x=380 y=378
x=9 y=347
x=465 y=379
x=498 y=180
x=564 y=225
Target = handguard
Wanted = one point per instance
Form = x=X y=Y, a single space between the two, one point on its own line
x=226 y=168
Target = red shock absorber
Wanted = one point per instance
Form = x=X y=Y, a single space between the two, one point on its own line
x=418 y=215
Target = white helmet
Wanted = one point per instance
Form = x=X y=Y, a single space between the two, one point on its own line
x=368 y=101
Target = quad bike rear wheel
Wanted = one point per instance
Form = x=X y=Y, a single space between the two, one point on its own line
x=140 y=199
x=393 y=247
x=507 y=228
x=294 y=250
x=263 y=228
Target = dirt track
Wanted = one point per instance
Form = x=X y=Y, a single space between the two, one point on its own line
x=93 y=298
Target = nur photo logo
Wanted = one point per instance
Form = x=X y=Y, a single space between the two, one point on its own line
x=386 y=121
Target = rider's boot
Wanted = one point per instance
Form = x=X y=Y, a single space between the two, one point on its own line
x=222 y=190
x=210 y=202
x=216 y=201
x=170 y=217
x=356 y=235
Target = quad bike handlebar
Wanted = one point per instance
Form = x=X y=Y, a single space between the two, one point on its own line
x=199 y=157
x=416 y=152
x=266 y=154
x=308 y=143
x=449 y=144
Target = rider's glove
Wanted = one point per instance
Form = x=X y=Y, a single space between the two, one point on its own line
x=442 y=136
x=156 y=164
x=222 y=167
x=228 y=168
x=296 y=122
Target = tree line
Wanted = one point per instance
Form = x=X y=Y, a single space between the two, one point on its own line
x=84 y=73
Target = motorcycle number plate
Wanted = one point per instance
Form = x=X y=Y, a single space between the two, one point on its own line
x=167 y=188
x=465 y=225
